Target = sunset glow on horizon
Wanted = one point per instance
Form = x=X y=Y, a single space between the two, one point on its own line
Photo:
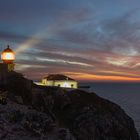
x=99 y=78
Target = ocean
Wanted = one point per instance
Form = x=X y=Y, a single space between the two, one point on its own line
x=127 y=95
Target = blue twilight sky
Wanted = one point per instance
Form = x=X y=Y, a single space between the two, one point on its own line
x=85 y=39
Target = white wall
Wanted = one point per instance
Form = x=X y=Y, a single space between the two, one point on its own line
x=61 y=83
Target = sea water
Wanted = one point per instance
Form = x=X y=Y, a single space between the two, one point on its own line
x=127 y=95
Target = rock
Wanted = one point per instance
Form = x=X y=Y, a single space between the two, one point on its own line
x=86 y=115
x=19 y=122
x=53 y=113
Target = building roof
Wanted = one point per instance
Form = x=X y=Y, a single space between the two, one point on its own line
x=58 y=77
x=8 y=49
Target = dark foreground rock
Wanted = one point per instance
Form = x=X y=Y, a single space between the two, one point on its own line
x=19 y=122
x=50 y=113
x=86 y=115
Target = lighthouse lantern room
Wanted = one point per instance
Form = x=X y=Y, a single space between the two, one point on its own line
x=8 y=57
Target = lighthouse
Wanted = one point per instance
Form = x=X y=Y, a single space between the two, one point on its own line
x=6 y=65
x=8 y=57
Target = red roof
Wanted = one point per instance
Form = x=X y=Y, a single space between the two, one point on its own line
x=58 y=77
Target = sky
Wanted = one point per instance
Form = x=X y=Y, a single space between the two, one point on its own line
x=89 y=40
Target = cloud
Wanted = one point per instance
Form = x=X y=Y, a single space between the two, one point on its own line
x=114 y=52
x=75 y=41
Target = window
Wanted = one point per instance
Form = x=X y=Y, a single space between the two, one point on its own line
x=72 y=85
x=66 y=84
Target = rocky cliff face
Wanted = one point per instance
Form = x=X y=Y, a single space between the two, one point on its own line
x=49 y=113
x=86 y=115
x=19 y=122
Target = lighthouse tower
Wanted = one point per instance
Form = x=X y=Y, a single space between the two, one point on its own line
x=8 y=57
x=7 y=64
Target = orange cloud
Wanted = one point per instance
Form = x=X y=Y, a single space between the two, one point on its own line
x=103 y=78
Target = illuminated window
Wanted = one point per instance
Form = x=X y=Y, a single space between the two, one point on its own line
x=66 y=84
x=8 y=56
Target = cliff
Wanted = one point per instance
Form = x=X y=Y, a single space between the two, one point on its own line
x=86 y=115
x=51 y=113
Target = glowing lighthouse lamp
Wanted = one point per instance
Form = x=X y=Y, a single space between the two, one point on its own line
x=8 y=57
